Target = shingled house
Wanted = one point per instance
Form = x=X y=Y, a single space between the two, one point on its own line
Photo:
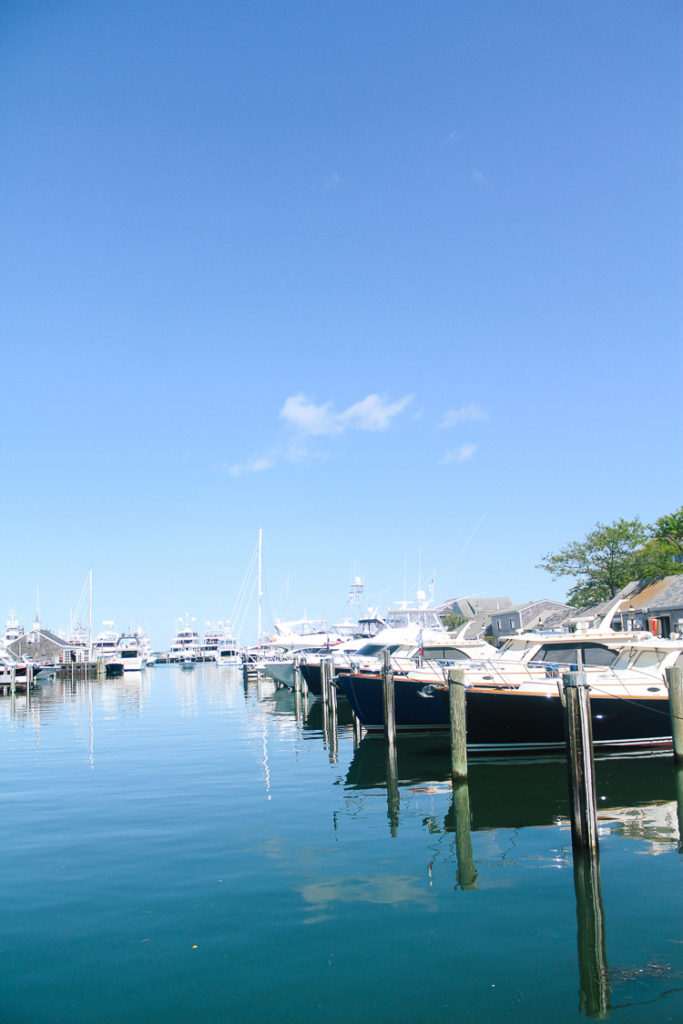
x=528 y=617
x=655 y=605
x=46 y=648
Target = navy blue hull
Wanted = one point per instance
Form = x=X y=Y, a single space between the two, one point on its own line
x=311 y=675
x=414 y=709
x=507 y=720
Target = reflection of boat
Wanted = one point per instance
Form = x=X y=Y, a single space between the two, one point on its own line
x=637 y=791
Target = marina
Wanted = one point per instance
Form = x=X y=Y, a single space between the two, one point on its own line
x=208 y=846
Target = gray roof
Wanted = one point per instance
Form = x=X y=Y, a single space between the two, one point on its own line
x=652 y=595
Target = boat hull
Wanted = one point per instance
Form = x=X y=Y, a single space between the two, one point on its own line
x=509 y=720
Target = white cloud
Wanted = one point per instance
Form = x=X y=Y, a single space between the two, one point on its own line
x=461 y=454
x=473 y=411
x=258 y=465
x=372 y=413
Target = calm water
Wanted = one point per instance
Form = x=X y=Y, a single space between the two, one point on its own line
x=179 y=847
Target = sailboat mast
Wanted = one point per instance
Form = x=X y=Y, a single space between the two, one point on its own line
x=260 y=591
x=90 y=615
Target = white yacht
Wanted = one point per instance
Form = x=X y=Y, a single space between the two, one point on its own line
x=106 y=643
x=185 y=646
x=220 y=645
x=13 y=631
x=131 y=653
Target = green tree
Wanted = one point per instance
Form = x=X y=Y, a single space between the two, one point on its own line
x=452 y=620
x=603 y=563
x=662 y=555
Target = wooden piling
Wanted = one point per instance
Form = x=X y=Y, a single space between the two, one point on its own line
x=296 y=672
x=674 y=678
x=581 y=770
x=324 y=680
x=458 y=717
x=332 y=689
x=389 y=701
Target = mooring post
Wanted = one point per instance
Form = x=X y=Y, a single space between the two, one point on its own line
x=324 y=681
x=458 y=716
x=296 y=672
x=389 y=702
x=13 y=680
x=674 y=678
x=581 y=770
x=332 y=689
x=357 y=730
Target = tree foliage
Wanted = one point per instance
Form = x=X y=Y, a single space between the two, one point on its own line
x=602 y=564
x=452 y=620
x=613 y=555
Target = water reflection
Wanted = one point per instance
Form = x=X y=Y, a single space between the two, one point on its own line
x=639 y=797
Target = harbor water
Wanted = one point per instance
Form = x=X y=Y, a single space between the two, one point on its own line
x=185 y=847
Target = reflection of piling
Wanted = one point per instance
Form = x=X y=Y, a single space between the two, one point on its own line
x=357 y=730
x=249 y=672
x=393 y=798
x=594 y=995
x=389 y=701
x=461 y=821
x=674 y=678
x=457 y=707
x=679 y=801
x=579 y=734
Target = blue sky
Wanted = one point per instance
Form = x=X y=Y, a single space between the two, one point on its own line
x=398 y=283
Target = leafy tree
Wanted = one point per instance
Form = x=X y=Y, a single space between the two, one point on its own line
x=603 y=563
x=452 y=621
x=662 y=555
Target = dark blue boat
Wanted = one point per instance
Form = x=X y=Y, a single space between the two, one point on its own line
x=512 y=720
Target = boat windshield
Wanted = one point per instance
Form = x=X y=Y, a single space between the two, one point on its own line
x=426 y=618
x=593 y=655
x=374 y=650
x=445 y=654
x=646 y=660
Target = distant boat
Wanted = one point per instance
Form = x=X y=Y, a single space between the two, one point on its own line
x=130 y=652
x=105 y=645
x=185 y=643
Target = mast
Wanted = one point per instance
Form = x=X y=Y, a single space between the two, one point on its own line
x=260 y=591
x=90 y=615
